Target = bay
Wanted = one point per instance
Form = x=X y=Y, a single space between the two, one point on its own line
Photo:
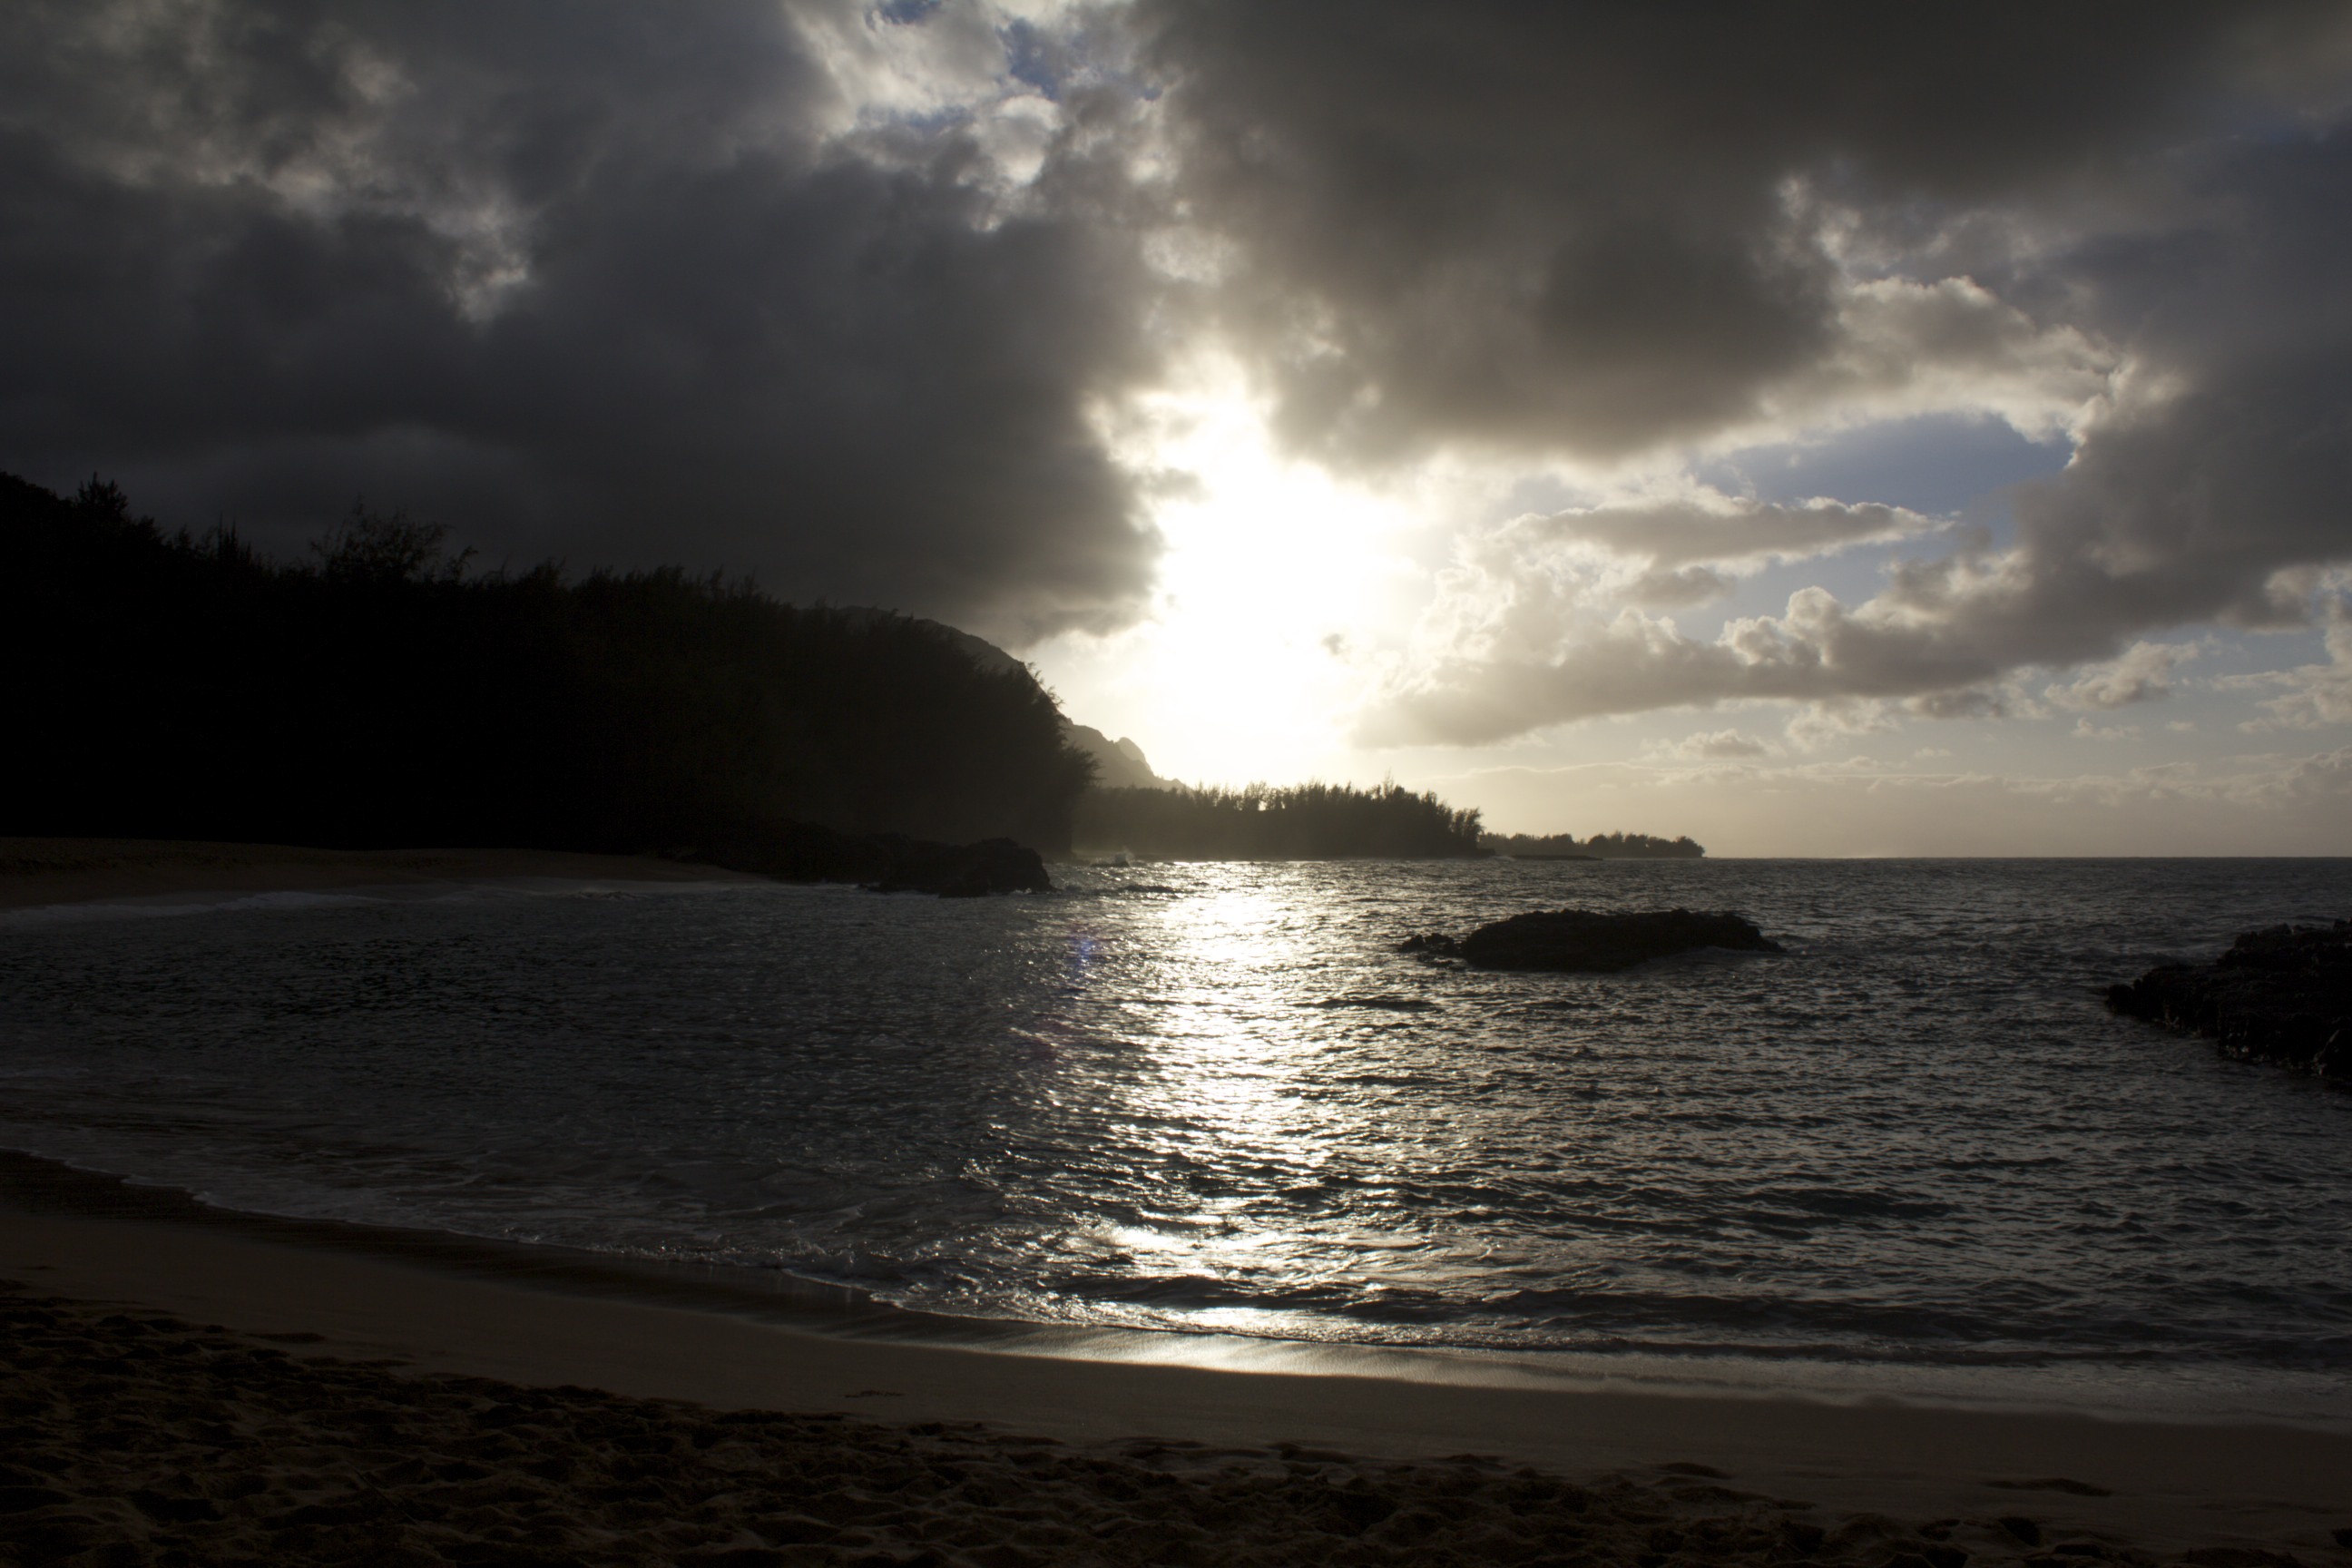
x=1215 y=1098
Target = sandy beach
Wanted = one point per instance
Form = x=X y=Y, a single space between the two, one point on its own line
x=184 y=1385
x=208 y=1390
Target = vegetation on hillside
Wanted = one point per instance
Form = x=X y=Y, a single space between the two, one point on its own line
x=381 y=694
x=1599 y=846
x=1259 y=822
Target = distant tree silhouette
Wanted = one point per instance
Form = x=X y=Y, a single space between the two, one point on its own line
x=172 y=686
x=368 y=548
x=1599 y=846
x=1258 y=822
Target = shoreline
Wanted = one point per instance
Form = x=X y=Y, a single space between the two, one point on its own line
x=775 y=1297
x=37 y=872
x=2157 y=1486
x=393 y=1333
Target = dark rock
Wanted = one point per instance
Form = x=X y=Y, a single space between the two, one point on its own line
x=886 y=862
x=2283 y=994
x=1592 y=942
x=966 y=871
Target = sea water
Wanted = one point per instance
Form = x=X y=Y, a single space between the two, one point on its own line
x=1912 y=1154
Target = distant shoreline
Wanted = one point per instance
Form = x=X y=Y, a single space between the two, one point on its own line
x=37 y=871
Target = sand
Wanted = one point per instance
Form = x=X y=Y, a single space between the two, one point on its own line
x=189 y=1387
x=209 y=1390
x=38 y=871
x=138 y=1435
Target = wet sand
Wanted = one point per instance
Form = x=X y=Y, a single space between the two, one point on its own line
x=210 y=1390
x=38 y=871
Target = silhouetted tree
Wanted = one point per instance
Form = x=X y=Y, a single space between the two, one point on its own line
x=1311 y=821
x=1599 y=846
x=181 y=688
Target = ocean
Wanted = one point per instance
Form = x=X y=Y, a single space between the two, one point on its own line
x=1913 y=1155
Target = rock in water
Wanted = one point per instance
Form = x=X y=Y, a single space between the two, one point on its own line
x=2283 y=994
x=966 y=870
x=1591 y=941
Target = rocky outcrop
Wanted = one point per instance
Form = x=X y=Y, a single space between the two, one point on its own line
x=966 y=871
x=886 y=862
x=1118 y=764
x=1592 y=941
x=2282 y=995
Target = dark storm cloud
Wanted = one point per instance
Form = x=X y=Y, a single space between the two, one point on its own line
x=1576 y=226
x=2211 y=490
x=587 y=279
x=635 y=284
x=1613 y=230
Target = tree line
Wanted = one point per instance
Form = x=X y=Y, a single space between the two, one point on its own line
x=1259 y=822
x=383 y=694
x=1599 y=846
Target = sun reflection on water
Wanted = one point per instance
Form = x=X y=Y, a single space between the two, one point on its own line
x=1209 y=1071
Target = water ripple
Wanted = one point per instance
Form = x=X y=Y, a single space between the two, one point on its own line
x=1220 y=1099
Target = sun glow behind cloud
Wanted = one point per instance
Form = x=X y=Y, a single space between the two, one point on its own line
x=1709 y=424
x=1279 y=584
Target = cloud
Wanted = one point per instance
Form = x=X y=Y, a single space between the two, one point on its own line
x=853 y=295
x=1664 y=552
x=1610 y=236
x=1708 y=527
x=1819 y=724
x=740 y=284
x=1678 y=588
x=2315 y=694
x=1723 y=745
x=2209 y=487
x=1525 y=651
x=1599 y=230
x=2139 y=675
x=1966 y=703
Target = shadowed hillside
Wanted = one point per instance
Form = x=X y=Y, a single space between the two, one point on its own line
x=169 y=686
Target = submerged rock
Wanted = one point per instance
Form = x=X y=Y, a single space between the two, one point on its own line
x=966 y=870
x=1592 y=942
x=2282 y=995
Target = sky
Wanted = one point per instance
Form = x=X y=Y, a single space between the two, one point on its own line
x=1845 y=430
